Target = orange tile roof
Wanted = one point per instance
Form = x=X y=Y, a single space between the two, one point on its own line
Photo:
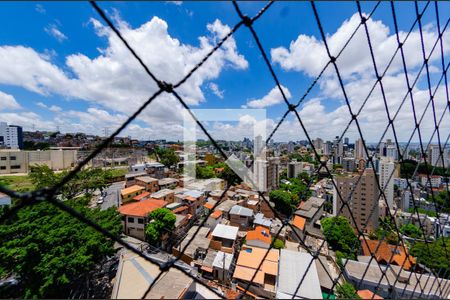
x=260 y=233
x=216 y=214
x=250 y=258
x=190 y=198
x=131 y=189
x=208 y=205
x=141 y=208
x=299 y=222
x=385 y=251
x=179 y=209
x=367 y=294
x=141 y=196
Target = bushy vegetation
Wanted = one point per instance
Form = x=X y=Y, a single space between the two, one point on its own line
x=408 y=166
x=278 y=244
x=340 y=236
x=433 y=255
x=161 y=221
x=346 y=291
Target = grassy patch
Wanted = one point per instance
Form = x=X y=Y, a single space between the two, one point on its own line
x=17 y=183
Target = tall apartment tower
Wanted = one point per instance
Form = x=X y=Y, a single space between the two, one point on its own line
x=363 y=201
x=359 y=149
x=12 y=136
x=434 y=157
x=386 y=178
x=338 y=150
x=267 y=172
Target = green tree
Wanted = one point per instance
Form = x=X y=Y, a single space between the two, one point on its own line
x=51 y=252
x=340 y=235
x=278 y=244
x=433 y=255
x=346 y=291
x=411 y=230
x=283 y=202
x=161 y=221
x=167 y=157
x=204 y=172
x=229 y=176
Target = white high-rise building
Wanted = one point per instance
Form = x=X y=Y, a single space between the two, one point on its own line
x=290 y=147
x=386 y=179
x=391 y=152
x=434 y=157
x=11 y=136
x=258 y=145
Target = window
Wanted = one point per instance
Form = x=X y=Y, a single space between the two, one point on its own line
x=2 y=168
x=3 y=158
x=130 y=220
x=140 y=221
x=15 y=167
x=12 y=158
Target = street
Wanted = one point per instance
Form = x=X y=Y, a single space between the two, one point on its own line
x=112 y=195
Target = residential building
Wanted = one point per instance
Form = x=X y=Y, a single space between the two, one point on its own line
x=11 y=135
x=215 y=218
x=259 y=237
x=262 y=221
x=193 y=199
x=388 y=254
x=5 y=199
x=362 y=198
x=196 y=247
x=167 y=183
x=222 y=265
x=241 y=216
x=349 y=164
x=391 y=152
x=360 y=153
x=386 y=179
x=127 y=194
x=223 y=238
x=311 y=210
x=12 y=162
x=297 y=233
x=135 y=216
x=155 y=169
x=165 y=194
x=294 y=168
x=407 y=284
x=149 y=183
x=435 y=180
x=434 y=157
x=265 y=280
x=130 y=178
x=295 y=268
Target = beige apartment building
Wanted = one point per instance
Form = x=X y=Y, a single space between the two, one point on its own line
x=362 y=201
x=16 y=161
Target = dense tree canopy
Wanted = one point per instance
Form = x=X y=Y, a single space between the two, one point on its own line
x=161 y=221
x=408 y=166
x=52 y=252
x=411 y=230
x=433 y=255
x=346 y=291
x=167 y=157
x=340 y=235
x=283 y=201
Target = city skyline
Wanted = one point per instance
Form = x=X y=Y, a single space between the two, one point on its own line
x=80 y=79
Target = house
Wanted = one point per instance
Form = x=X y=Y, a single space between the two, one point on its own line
x=224 y=237
x=142 y=196
x=225 y=207
x=5 y=199
x=193 y=199
x=408 y=284
x=165 y=194
x=221 y=265
x=196 y=247
x=135 y=216
x=388 y=254
x=214 y=219
x=130 y=178
x=249 y=259
x=297 y=231
x=241 y=216
x=298 y=278
x=260 y=237
x=149 y=183
x=262 y=221
x=167 y=183
x=127 y=194
x=155 y=169
x=311 y=210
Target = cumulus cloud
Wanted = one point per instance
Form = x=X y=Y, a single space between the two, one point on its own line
x=272 y=98
x=8 y=101
x=53 y=108
x=115 y=81
x=40 y=9
x=53 y=30
x=215 y=90
x=307 y=54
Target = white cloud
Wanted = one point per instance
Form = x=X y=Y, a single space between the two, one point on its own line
x=53 y=108
x=54 y=31
x=40 y=9
x=115 y=82
x=8 y=101
x=215 y=90
x=272 y=98
x=175 y=2
x=307 y=55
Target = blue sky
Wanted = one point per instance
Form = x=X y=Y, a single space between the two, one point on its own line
x=62 y=67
